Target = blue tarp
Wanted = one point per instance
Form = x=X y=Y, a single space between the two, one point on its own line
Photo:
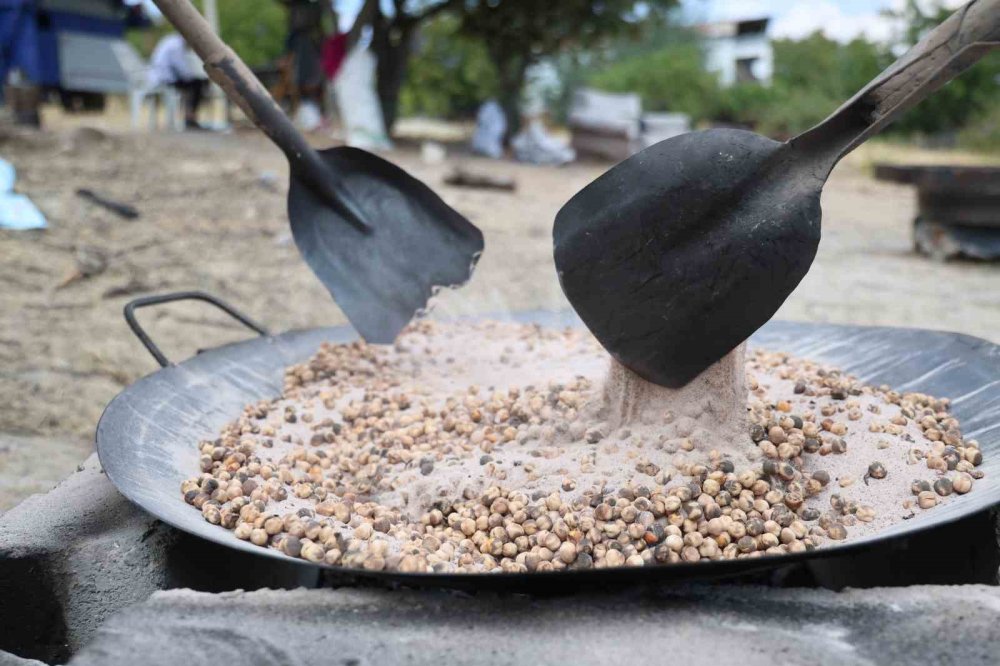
x=31 y=43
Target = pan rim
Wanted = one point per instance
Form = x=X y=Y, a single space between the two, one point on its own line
x=973 y=503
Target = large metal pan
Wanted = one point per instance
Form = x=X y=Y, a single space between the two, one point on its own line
x=146 y=438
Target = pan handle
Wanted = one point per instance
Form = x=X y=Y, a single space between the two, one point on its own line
x=145 y=301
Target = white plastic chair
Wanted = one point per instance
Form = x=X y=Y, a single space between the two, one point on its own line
x=140 y=91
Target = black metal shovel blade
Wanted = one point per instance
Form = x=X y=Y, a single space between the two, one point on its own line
x=381 y=278
x=675 y=256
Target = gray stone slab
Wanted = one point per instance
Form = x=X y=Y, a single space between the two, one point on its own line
x=35 y=464
x=72 y=557
x=746 y=625
x=8 y=659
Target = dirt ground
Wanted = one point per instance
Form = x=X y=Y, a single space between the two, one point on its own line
x=212 y=218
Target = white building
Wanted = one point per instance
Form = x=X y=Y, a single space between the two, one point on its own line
x=738 y=51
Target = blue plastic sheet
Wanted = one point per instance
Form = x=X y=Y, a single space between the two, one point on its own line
x=19 y=212
x=16 y=210
x=7 y=176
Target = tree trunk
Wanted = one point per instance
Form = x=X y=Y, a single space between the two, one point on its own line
x=392 y=42
x=511 y=70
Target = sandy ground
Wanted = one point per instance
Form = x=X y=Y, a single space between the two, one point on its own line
x=213 y=218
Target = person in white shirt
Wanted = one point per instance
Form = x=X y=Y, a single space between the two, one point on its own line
x=171 y=65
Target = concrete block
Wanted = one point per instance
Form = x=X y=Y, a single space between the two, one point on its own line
x=694 y=625
x=8 y=659
x=73 y=556
x=78 y=555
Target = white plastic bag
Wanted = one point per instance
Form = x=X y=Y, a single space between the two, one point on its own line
x=491 y=125
x=360 y=110
x=536 y=146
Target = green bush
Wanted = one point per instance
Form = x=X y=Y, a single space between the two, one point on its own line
x=966 y=100
x=982 y=134
x=449 y=76
x=255 y=30
x=959 y=103
x=826 y=68
x=668 y=79
x=812 y=78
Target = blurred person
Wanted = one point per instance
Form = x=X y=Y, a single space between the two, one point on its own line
x=332 y=56
x=171 y=65
x=19 y=39
x=20 y=66
x=334 y=51
x=491 y=128
x=304 y=45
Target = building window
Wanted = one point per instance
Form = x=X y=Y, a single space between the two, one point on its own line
x=744 y=70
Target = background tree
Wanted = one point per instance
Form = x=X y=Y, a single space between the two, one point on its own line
x=961 y=101
x=449 y=74
x=256 y=30
x=519 y=33
x=666 y=69
x=812 y=77
x=393 y=37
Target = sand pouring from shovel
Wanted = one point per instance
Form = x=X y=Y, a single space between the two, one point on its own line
x=677 y=255
x=380 y=240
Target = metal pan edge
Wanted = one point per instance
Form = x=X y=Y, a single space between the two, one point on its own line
x=163 y=414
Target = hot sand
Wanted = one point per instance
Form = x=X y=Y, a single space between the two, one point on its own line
x=497 y=446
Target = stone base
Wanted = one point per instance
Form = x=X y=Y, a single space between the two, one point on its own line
x=73 y=560
x=72 y=557
x=8 y=659
x=748 y=625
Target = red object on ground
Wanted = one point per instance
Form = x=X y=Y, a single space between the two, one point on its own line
x=333 y=54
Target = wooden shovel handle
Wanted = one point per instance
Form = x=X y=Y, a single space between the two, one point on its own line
x=944 y=53
x=246 y=91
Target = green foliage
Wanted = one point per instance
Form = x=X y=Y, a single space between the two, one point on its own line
x=519 y=33
x=669 y=79
x=812 y=78
x=970 y=96
x=957 y=104
x=255 y=30
x=829 y=68
x=982 y=133
x=470 y=51
x=537 y=29
x=672 y=78
x=449 y=75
